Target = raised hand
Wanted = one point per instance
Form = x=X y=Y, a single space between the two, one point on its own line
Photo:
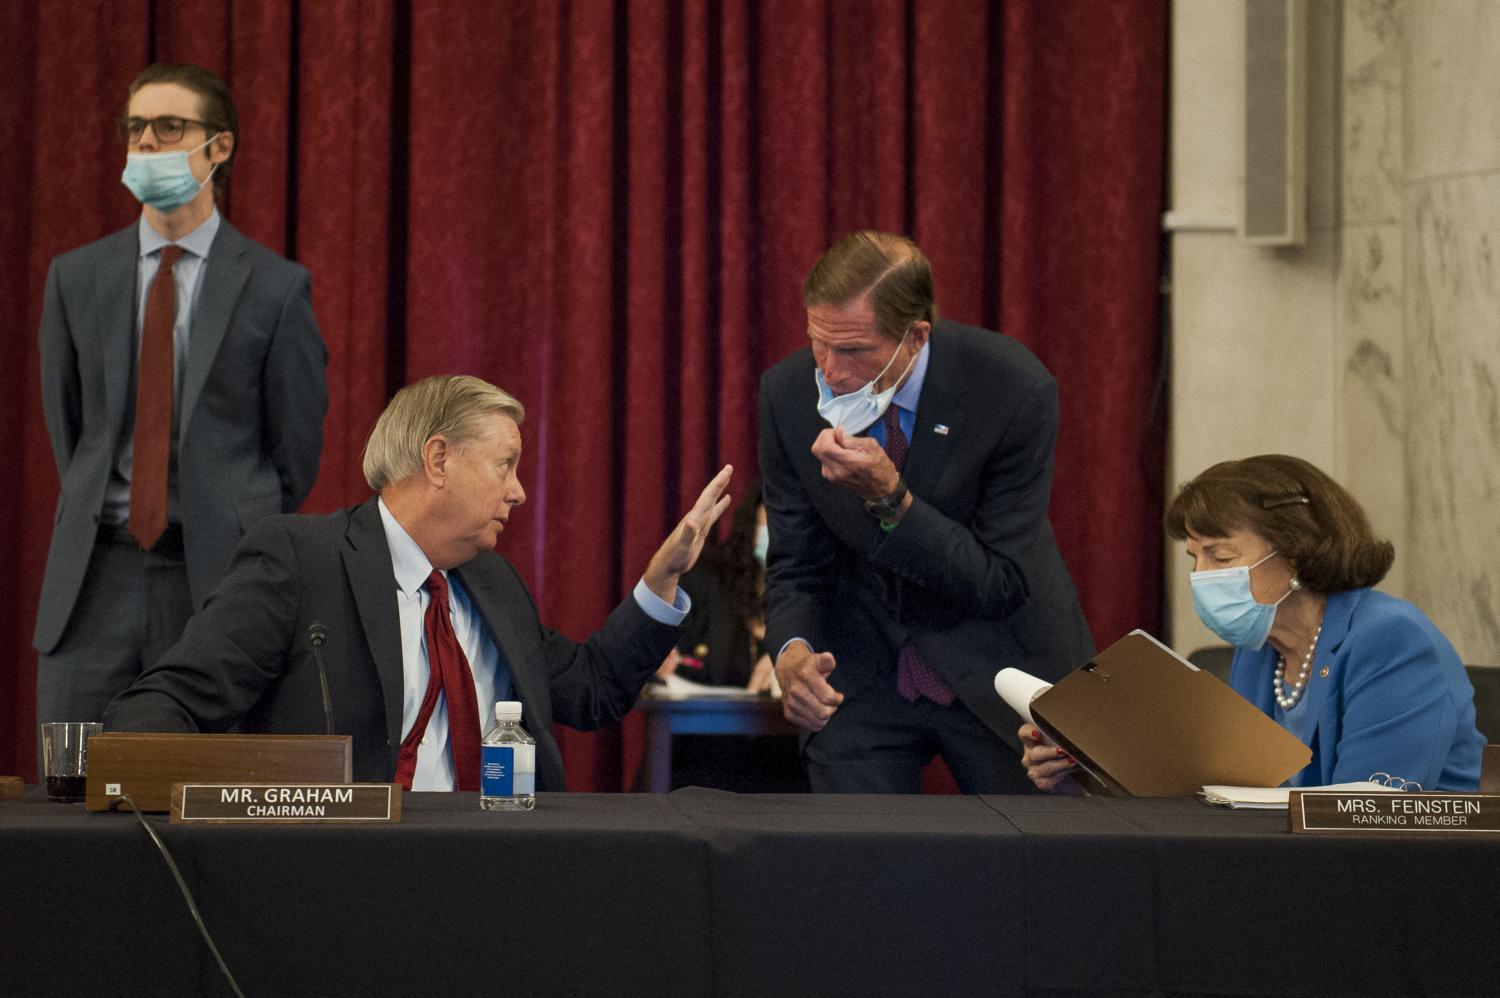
x=679 y=552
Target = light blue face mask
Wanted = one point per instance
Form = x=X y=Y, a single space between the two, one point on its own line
x=859 y=409
x=762 y=544
x=164 y=180
x=1227 y=607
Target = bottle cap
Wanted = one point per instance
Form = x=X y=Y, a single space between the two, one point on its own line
x=507 y=710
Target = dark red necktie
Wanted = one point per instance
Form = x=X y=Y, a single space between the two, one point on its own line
x=914 y=676
x=448 y=673
x=153 y=407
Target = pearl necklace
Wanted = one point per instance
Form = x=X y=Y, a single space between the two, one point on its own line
x=1289 y=700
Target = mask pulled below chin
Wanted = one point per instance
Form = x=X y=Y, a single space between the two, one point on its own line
x=858 y=410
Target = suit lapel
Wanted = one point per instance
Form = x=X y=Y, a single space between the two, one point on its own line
x=115 y=283
x=225 y=275
x=940 y=422
x=530 y=688
x=1322 y=707
x=1336 y=616
x=367 y=565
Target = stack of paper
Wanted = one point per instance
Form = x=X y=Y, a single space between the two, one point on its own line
x=676 y=687
x=1275 y=798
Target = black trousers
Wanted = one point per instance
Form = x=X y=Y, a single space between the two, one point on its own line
x=878 y=742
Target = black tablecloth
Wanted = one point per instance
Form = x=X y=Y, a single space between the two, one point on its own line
x=699 y=893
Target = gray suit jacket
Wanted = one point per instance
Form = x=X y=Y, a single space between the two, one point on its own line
x=253 y=397
x=244 y=662
x=971 y=575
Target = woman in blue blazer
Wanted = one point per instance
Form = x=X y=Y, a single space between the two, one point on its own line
x=1283 y=564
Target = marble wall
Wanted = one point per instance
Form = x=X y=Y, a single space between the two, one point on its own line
x=1450 y=227
x=1372 y=381
x=1373 y=350
x=1253 y=329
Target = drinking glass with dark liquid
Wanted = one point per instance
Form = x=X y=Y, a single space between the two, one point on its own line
x=65 y=758
x=66 y=789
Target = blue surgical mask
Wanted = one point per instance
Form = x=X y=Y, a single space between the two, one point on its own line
x=1227 y=607
x=859 y=409
x=762 y=543
x=164 y=180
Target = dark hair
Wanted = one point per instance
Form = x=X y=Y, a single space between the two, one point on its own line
x=890 y=269
x=215 y=104
x=734 y=557
x=1299 y=510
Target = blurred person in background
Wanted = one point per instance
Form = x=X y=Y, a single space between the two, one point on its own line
x=722 y=641
x=722 y=644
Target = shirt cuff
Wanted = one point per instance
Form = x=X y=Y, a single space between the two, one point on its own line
x=658 y=609
x=789 y=644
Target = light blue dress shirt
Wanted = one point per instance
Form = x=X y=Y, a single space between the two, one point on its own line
x=434 y=770
x=905 y=400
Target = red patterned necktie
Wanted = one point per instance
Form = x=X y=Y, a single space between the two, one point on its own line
x=448 y=672
x=152 y=445
x=914 y=676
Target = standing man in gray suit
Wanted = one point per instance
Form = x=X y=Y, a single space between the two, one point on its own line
x=183 y=387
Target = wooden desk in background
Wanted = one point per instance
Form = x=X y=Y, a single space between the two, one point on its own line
x=667 y=715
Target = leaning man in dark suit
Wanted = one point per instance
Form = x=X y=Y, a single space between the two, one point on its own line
x=907 y=466
x=424 y=625
x=182 y=385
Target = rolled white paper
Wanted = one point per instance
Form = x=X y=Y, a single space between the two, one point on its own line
x=1018 y=689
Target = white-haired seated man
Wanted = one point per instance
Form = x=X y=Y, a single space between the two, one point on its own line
x=423 y=627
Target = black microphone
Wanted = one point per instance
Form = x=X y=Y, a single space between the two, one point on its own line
x=316 y=635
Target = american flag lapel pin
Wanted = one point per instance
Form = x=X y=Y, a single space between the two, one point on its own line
x=941 y=429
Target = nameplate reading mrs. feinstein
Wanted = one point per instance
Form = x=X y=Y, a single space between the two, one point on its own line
x=1326 y=811
x=287 y=803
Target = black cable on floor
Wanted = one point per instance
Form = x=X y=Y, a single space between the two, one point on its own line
x=187 y=895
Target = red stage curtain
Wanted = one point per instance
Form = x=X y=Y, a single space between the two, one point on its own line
x=608 y=208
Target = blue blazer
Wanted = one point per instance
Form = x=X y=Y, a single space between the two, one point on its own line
x=1394 y=699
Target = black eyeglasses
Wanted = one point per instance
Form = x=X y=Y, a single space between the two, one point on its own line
x=166 y=127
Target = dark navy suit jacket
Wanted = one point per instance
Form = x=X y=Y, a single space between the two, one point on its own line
x=971 y=574
x=245 y=663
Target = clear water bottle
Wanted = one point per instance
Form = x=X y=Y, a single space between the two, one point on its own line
x=507 y=763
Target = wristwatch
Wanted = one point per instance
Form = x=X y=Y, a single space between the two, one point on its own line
x=885 y=508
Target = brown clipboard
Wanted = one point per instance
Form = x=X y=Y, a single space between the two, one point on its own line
x=1146 y=723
